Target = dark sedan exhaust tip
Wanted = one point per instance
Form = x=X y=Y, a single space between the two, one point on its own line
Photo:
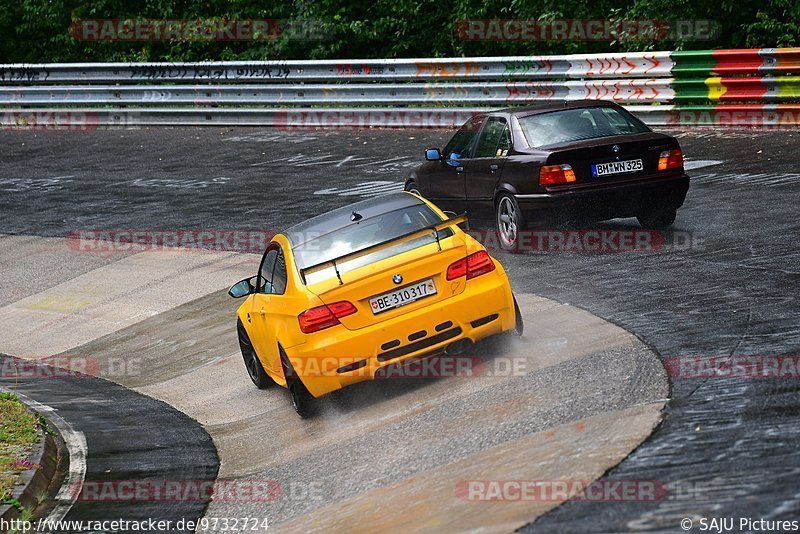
x=458 y=347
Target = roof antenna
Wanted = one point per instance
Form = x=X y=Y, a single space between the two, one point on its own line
x=336 y=270
x=355 y=216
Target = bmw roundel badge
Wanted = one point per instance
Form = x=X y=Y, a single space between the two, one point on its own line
x=397 y=279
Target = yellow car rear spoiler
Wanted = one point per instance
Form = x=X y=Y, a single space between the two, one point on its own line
x=433 y=228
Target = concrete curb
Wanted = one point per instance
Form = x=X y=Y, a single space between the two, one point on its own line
x=33 y=484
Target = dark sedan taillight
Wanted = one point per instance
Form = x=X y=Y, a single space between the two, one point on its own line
x=323 y=317
x=556 y=174
x=670 y=159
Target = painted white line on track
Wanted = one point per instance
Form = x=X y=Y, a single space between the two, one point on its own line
x=700 y=163
x=374 y=188
x=76 y=445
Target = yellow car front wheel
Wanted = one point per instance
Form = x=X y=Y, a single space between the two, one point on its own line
x=251 y=362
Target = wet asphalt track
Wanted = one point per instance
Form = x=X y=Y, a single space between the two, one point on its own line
x=728 y=444
x=131 y=437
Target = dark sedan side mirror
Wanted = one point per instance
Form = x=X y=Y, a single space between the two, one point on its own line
x=242 y=288
x=433 y=154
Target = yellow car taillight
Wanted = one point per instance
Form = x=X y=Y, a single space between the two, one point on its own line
x=473 y=265
x=323 y=317
x=670 y=159
x=556 y=174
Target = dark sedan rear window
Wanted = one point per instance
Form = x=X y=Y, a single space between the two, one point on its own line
x=564 y=126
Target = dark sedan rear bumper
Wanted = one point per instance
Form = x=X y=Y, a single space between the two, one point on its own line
x=606 y=201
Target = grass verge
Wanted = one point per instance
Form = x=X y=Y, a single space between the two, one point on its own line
x=18 y=435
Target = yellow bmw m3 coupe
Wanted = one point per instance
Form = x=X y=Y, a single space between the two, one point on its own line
x=387 y=280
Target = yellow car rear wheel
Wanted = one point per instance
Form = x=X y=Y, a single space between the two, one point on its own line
x=519 y=327
x=302 y=400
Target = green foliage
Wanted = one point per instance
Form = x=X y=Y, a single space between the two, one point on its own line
x=776 y=24
x=13 y=502
x=38 y=30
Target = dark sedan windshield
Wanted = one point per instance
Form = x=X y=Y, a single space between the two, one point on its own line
x=564 y=126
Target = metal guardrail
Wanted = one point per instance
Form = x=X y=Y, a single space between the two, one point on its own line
x=489 y=93
x=647 y=64
x=758 y=86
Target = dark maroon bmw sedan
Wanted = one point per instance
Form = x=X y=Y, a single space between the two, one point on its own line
x=555 y=164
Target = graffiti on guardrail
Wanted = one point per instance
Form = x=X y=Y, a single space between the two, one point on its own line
x=177 y=72
x=346 y=69
x=530 y=67
x=631 y=90
x=443 y=70
x=23 y=74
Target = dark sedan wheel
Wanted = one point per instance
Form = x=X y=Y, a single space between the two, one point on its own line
x=657 y=218
x=302 y=399
x=251 y=362
x=411 y=187
x=510 y=221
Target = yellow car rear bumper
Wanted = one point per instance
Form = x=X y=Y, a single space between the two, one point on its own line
x=338 y=357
